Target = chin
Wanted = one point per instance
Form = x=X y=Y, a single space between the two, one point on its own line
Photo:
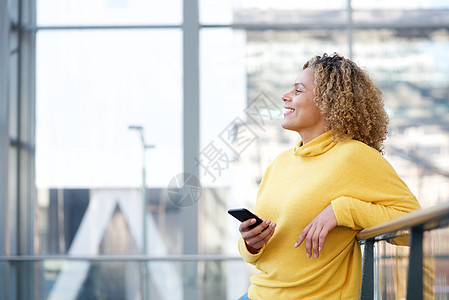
x=286 y=127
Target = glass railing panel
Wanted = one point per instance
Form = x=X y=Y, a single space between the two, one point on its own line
x=436 y=263
x=226 y=278
x=391 y=267
x=390 y=271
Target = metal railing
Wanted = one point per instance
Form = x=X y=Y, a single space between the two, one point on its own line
x=121 y=257
x=411 y=225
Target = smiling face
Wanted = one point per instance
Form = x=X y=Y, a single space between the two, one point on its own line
x=301 y=113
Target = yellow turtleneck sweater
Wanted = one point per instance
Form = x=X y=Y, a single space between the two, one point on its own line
x=364 y=191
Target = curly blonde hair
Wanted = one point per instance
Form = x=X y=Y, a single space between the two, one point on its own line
x=350 y=101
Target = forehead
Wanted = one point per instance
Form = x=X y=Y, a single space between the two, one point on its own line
x=306 y=77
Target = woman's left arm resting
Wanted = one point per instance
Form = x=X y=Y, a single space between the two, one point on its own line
x=349 y=212
x=372 y=193
x=359 y=214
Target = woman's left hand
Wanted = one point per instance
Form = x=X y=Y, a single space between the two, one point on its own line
x=315 y=233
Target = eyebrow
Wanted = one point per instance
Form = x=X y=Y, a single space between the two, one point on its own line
x=297 y=84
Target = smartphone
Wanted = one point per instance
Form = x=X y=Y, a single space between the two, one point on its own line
x=242 y=214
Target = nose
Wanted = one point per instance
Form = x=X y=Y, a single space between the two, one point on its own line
x=286 y=97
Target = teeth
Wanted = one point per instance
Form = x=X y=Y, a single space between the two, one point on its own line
x=289 y=109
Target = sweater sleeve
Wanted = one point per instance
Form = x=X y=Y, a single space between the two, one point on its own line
x=377 y=193
x=358 y=214
x=248 y=256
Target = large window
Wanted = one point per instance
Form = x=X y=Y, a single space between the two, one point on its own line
x=108 y=12
x=109 y=87
x=91 y=86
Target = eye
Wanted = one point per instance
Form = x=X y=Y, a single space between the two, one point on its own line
x=297 y=92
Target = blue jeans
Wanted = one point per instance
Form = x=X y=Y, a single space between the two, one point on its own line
x=244 y=297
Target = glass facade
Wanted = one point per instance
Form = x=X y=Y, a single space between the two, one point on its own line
x=99 y=137
x=109 y=12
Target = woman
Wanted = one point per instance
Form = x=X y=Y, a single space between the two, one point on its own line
x=315 y=197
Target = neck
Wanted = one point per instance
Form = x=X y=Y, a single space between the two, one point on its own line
x=308 y=136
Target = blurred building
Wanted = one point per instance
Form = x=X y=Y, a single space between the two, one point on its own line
x=205 y=80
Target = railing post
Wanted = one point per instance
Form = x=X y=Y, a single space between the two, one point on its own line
x=415 y=265
x=367 y=289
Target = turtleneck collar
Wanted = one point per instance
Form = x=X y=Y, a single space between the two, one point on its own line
x=317 y=146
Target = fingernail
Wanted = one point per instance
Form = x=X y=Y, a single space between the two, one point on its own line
x=319 y=249
x=253 y=221
x=316 y=255
x=308 y=255
x=296 y=244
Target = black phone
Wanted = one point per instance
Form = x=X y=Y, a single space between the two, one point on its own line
x=242 y=214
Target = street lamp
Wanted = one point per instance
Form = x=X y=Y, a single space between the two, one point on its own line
x=140 y=130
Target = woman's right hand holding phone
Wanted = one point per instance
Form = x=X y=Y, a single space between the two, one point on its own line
x=258 y=236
